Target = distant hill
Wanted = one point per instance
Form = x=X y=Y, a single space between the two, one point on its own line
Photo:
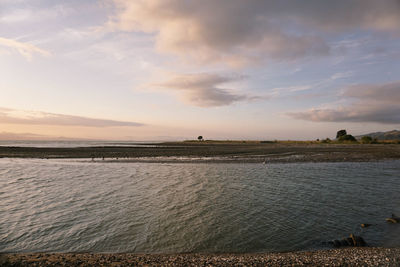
x=7 y=136
x=391 y=135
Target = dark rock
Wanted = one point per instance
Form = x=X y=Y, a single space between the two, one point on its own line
x=365 y=225
x=351 y=241
x=336 y=243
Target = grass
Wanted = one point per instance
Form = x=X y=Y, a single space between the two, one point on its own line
x=305 y=142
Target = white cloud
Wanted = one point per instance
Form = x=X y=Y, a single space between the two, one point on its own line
x=290 y=89
x=25 y=49
x=341 y=75
x=31 y=14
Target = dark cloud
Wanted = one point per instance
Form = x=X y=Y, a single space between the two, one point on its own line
x=388 y=93
x=369 y=103
x=204 y=89
x=238 y=32
x=11 y=116
x=357 y=113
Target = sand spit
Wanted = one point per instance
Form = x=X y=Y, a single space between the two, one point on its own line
x=236 y=152
x=334 y=257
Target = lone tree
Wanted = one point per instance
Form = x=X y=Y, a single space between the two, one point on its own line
x=200 y=138
x=342 y=136
x=341 y=133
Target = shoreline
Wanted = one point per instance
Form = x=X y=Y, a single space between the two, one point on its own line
x=217 y=160
x=214 y=153
x=367 y=256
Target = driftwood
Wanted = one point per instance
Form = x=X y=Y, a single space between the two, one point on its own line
x=393 y=219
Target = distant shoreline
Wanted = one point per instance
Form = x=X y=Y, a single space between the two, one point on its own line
x=367 y=256
x=250 y=152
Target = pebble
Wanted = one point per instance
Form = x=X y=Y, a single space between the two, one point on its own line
x=366 y=256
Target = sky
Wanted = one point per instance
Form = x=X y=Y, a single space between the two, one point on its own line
x=177 y=69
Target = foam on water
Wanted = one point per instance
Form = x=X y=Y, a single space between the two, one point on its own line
x=69 y=205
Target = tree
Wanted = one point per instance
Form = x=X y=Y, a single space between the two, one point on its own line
x=340 y=133
x=366 y=140
x=200 y=138
x=327 y=140
x=347 y=137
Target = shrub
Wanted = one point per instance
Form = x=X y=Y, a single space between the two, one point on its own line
x=366 y=140
x=327 y=140
x=347 y=138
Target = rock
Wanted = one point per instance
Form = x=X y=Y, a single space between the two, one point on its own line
x=351 y=241
x=365 y=225
x=336 y=243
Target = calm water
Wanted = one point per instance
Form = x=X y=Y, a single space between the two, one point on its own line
x=60 y=143
x=65 y=205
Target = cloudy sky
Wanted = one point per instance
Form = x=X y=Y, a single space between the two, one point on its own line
x=176 y=69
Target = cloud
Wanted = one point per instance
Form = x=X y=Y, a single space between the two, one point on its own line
x=388 y=92
x=12 y=116
x=233 y=32
x=341 y=75
x=204 y=89
x=282 y=91
x=369 y=103
x=237 y=32
x=25 y=49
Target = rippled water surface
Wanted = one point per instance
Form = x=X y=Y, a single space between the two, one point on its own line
x=69 y=205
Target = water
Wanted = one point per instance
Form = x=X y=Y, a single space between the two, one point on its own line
x=75 y=143
x=72 y=205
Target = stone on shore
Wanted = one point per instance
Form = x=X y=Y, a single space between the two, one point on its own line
x=336 y=257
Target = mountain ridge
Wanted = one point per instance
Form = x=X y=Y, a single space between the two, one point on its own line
x=389 y=135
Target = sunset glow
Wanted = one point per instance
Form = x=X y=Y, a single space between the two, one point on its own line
x=172 y=70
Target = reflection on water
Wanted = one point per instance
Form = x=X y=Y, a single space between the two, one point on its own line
x=66 y=205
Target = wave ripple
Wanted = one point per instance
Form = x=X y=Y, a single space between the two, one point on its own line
x=71 y=206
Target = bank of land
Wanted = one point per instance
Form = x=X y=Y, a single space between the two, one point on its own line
x=217 y=152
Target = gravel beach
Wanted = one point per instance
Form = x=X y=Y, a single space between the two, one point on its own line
x=335 y=257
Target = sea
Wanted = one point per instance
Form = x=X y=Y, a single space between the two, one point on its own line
x=75 y=143
x=79 y=205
